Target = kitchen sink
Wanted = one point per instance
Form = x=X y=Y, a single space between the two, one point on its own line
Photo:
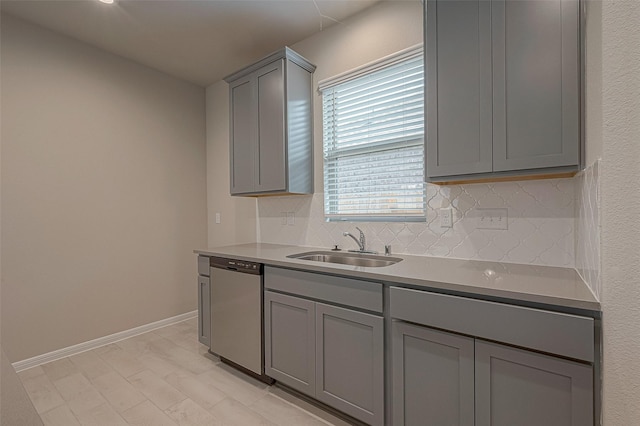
x=347 y=258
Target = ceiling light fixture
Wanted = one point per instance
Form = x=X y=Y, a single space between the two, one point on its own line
x=107 y=1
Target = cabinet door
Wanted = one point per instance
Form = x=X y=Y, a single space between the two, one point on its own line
x=535 y=84
x=458 y=65
x=204 y=312
x=290 y=341
x=243 y=127
x=518 y=387
x=271 y=165
x=350 y=362
x=432 y=377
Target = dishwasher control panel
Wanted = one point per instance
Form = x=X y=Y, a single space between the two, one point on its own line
x=237 y=265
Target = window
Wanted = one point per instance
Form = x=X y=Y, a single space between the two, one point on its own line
x=373 y=139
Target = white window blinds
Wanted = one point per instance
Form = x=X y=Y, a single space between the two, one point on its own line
x=373 y=132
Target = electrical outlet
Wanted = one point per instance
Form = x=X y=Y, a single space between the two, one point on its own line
x=283 y=218
x=217 y=217
x=491 y=218
x=291 y=218
x=446 y=218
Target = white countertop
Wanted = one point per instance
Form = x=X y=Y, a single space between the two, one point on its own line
x=547 y=285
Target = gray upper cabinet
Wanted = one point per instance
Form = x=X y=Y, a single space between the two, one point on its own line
x=535 y=84
x=503 y=88
x=271 y=146
x=458 y=65
x=271 y=132
x=242 y=136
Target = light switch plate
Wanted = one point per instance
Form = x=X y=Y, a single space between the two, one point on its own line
x=291 y=218
x=217 y=217
x=491 y=218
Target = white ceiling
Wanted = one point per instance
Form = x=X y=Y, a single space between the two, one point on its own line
x=200 y=41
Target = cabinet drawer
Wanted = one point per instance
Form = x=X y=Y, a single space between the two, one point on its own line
x=562 y=334
x=344 y=291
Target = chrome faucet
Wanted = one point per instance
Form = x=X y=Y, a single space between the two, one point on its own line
x=361 y=242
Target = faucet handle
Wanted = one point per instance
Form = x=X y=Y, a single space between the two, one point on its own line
x=362 y=240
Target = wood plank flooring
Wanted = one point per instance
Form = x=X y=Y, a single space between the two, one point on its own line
x=164 y=377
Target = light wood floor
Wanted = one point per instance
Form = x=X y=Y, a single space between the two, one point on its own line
x=164 y=377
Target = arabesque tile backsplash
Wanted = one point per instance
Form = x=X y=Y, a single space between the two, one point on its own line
x=541 y=224
x=588 y=227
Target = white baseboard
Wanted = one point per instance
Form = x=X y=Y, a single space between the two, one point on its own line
x=101 y=341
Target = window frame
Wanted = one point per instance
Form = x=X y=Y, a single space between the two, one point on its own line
x=365 y=70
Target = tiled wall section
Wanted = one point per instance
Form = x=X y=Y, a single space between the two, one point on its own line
x=588 y=227
x=540 y=224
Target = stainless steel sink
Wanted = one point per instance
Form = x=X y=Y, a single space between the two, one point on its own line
x=347 y=258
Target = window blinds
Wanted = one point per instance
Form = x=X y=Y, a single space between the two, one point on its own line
x=373 y=131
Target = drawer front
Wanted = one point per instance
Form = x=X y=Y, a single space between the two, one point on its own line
x=203 y=266
x=344 y=291
x=561 y=334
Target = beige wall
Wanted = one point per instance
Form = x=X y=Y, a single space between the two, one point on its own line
x=237 y=214
x=620 y=174
x=377 y=32
x=103 y=192
x=15 y=406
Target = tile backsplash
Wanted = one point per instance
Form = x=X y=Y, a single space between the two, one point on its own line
x=588 y=227
x=540 y=223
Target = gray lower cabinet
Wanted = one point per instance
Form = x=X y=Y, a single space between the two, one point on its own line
x=204 y=310
x=204 y=301
x=442 y=378
x=447 y=372
x=333 y=354
x=432 y=377
x=350 y=362
x=289 y=333
x=524 y=388
x=503 y=88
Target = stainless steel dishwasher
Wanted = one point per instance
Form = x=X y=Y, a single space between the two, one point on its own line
x=236 y=314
